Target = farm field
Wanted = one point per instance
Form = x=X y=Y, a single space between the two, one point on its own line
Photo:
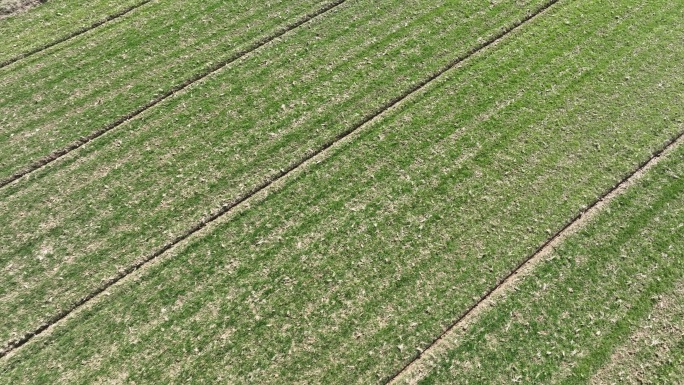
x=321 y=202
x=151 y=181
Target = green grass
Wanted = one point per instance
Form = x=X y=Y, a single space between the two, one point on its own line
x=621 y=276
x=341 y=272
x=126 y=194
x=52 y=21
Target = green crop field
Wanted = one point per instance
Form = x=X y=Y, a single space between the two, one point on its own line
x=349 y=191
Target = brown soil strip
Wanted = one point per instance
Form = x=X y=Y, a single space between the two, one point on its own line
x=215 y=68
x=225 y=209
x=73 y=34
x=419 y=366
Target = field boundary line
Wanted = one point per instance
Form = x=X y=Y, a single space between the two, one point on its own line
x=282 y=173
x=417 y=367
x=39 y=164
x=74 y=34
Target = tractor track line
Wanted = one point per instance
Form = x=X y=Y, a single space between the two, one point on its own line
x=73 y=34
x=39 y=164
x=528 y=264
x=13 y=345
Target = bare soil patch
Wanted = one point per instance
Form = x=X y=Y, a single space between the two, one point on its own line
x=10 y=7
